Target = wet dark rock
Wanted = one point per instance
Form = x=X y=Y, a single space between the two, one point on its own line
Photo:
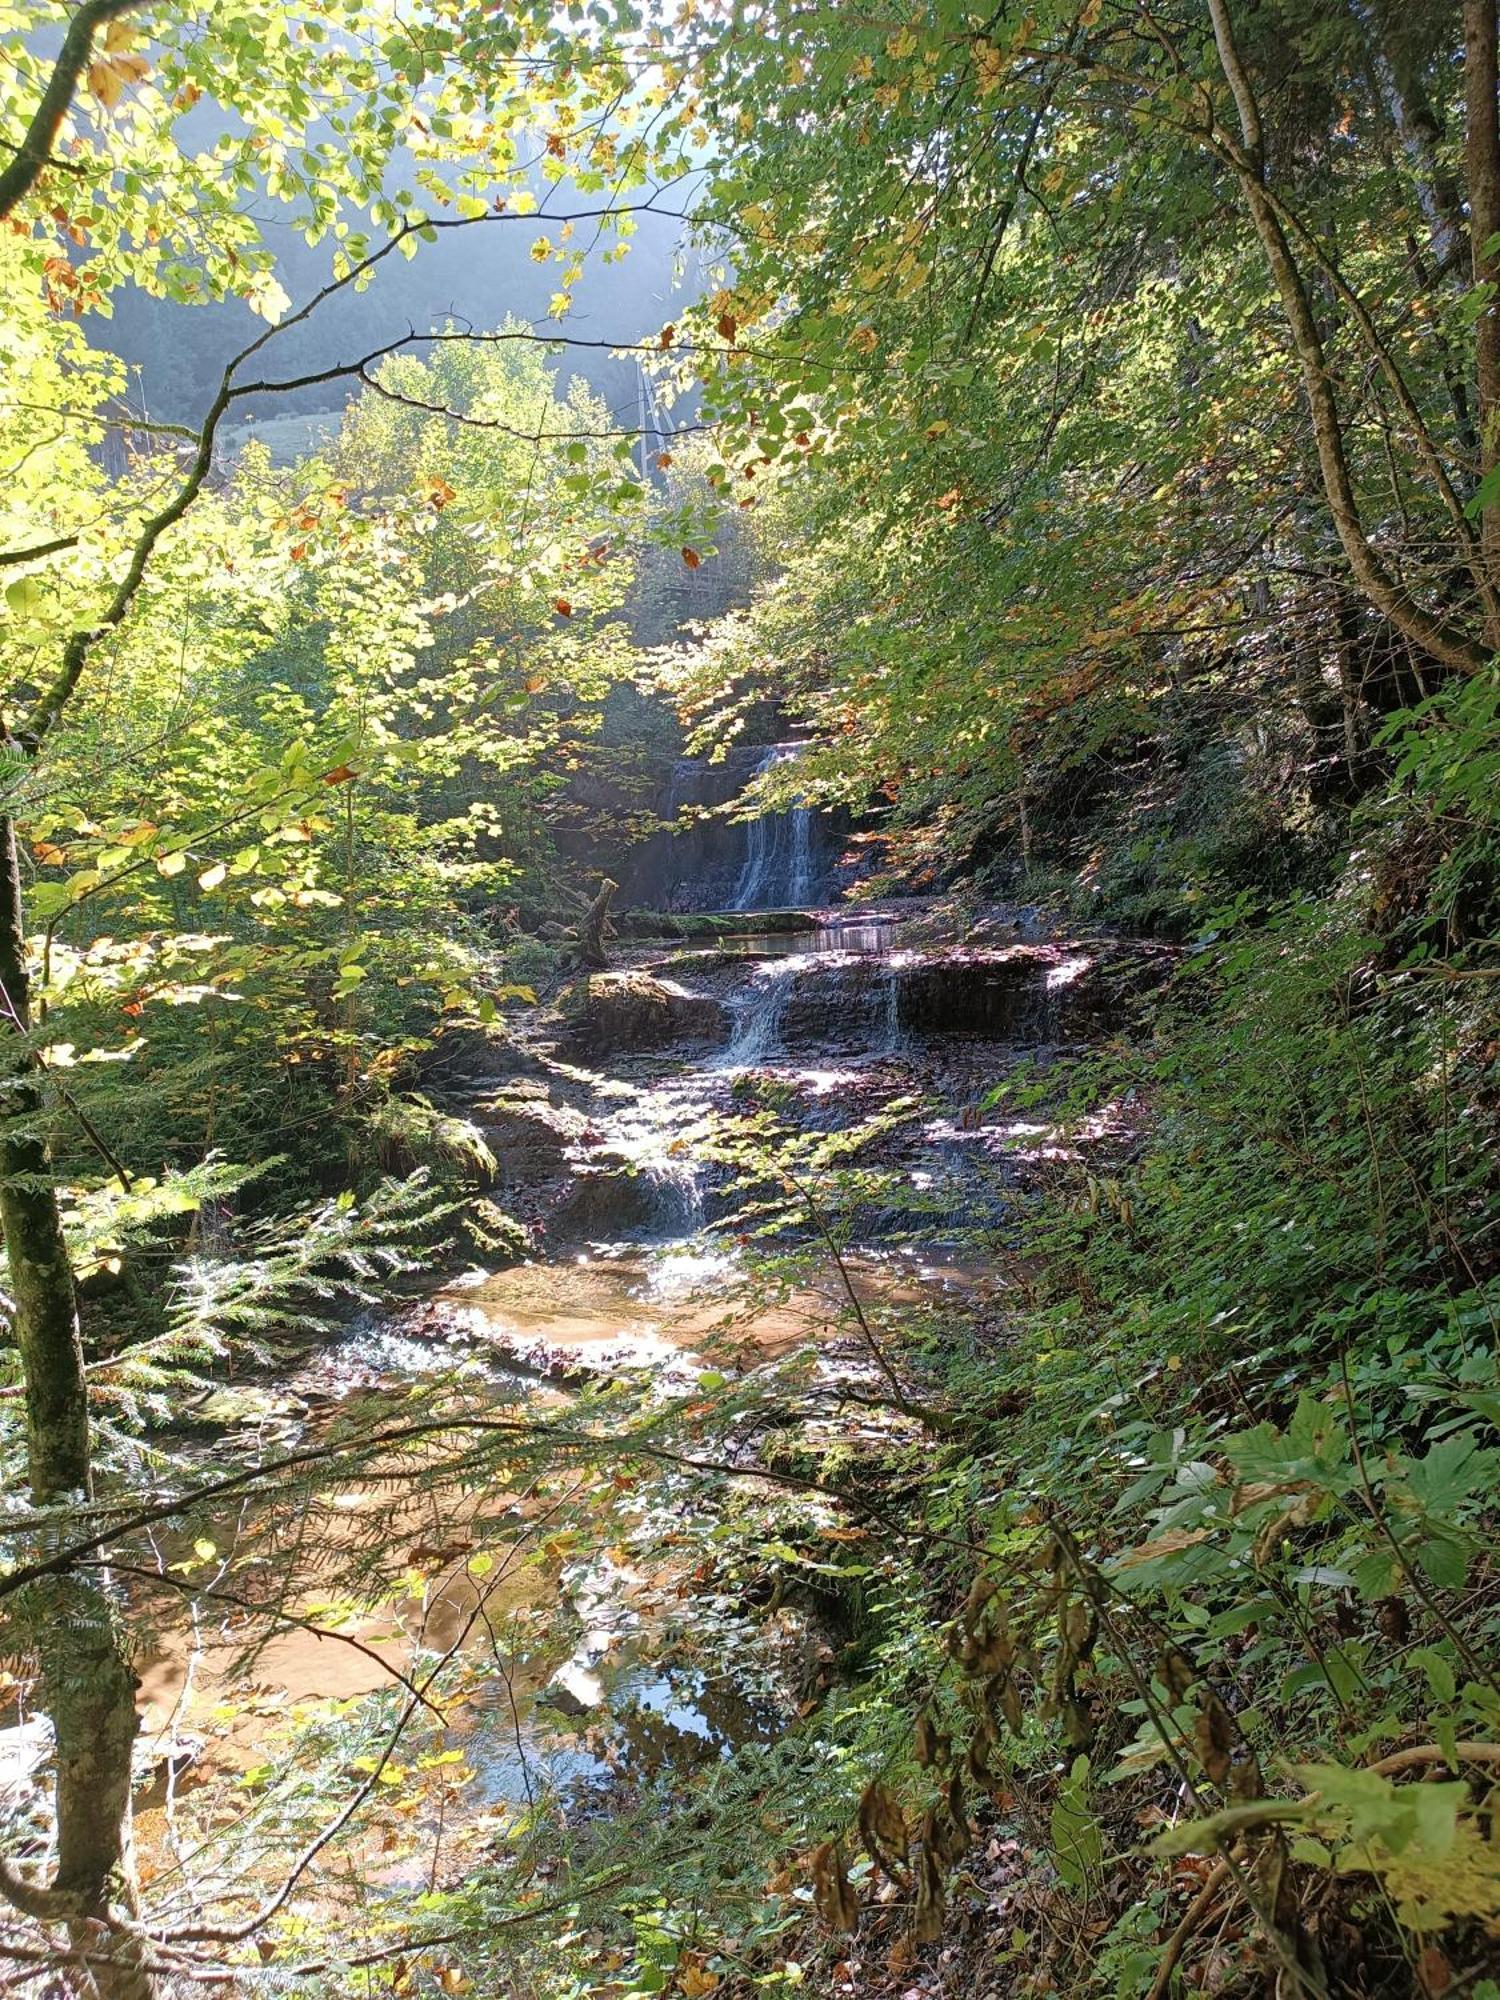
x=1027 y=992
x=527 y=1134
x=634 y=1010
x=606 y=1203
x=470 y=1052
x=839 y=999
x=1006 y=994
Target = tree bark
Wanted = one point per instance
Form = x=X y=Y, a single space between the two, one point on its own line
x=1482 y=171
x=91 y=1696
x=88 y=1688
x=590 y=949
x=34 y=153
x=1444 y=641
x=41 y=1278
x=1419 y=130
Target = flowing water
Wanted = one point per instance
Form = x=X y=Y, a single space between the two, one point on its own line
x=778 y=870
x=576 y=1678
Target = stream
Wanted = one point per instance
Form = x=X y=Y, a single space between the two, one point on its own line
x=576 y=1672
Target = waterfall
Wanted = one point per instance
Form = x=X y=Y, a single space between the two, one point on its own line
x=891 y=1040
x=778 y=870
x=759 y=1016
x=676 y=1198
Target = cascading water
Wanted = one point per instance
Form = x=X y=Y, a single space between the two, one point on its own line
x=891 y=1040
x=778 y=870
x=759 y=1015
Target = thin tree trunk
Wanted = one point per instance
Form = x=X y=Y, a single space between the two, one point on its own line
x=41 y=1278
x=90 y=1691
x=88 y=1688
x=1482 y=170
x=1445 y=642
x=591 y=950
x=1419 y=130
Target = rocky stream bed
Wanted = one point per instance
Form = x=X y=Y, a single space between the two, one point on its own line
x=619 y=1120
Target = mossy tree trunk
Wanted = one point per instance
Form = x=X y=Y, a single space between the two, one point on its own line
x=88 y=1688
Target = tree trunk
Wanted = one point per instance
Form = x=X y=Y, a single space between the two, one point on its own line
x=88 y=1688
x=1482 y=170
x=41 y=1279
x=590 y=949
x=1444 y=641
x=1419 y=130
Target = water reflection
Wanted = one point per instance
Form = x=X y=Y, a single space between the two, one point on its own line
x=865 y=935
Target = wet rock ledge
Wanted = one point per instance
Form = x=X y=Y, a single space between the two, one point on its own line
x=638 y=1010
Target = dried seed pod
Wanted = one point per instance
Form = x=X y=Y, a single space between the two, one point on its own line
x=1079 y=1624
x=833 y=1897
x=1392 y=1619
x=981 y=1591
x=1078 y=1724
x=882 y=1826
x=1009 y=1697
x=1246 y=1780
x=926 y=1739
x=1175 y=1671
x=981 y=1743
x=1214 y=1737
x=945 y=1833
x=927 y=1922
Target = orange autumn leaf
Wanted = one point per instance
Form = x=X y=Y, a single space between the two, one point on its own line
x=692 y=558
x=109 y=76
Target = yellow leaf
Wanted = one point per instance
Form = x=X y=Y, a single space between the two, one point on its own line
x=204 y=1549
x=109 y=75
x=171 y=864
x=105 y=83
x=212 y=877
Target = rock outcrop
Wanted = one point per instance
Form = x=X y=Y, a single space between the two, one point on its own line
x=635 y=1010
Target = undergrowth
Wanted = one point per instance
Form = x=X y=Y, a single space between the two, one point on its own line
x=1178 y=1664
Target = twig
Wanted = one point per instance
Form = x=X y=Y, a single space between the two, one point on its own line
x=1197 y=1912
